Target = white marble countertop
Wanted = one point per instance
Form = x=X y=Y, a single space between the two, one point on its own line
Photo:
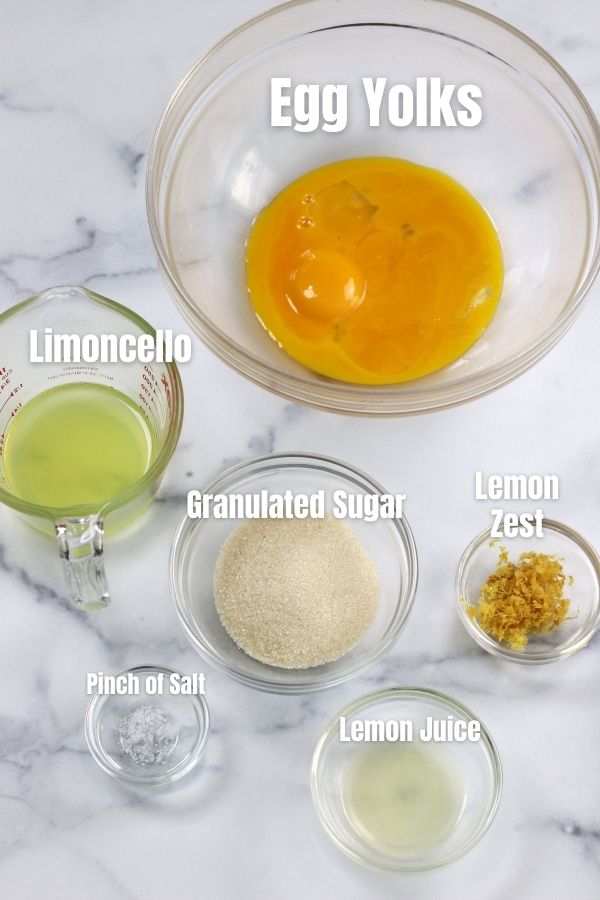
x=81 y=89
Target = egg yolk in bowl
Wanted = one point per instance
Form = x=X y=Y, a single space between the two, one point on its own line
x=374 y=270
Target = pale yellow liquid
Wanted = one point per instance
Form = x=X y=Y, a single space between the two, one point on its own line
x=403 y=799
x=77 y=445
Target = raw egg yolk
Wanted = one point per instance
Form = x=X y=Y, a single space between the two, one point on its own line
x=374 y=270
x=326 y=286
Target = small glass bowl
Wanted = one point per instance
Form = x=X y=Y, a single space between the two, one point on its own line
x=197 y=544
x=180 y=735
x=476 y=763
x=580 y=561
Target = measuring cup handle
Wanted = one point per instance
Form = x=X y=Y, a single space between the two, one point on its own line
x=80 y=544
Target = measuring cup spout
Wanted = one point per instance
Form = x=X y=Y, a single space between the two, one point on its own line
x=80 y=544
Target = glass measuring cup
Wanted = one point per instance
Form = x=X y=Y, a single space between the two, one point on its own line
x=154 y=387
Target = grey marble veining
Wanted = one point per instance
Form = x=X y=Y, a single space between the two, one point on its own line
x=81 y=89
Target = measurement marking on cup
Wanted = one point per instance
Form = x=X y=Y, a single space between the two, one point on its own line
x=4 y=430
x=13 y=393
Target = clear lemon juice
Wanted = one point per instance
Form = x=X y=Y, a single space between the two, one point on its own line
x=403 y=799
x=77 y=445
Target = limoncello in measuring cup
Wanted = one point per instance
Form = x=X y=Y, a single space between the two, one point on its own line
x=80 y=442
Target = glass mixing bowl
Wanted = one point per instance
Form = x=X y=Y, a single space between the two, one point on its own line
x=580 y=561
x=196 y=547
x=476 y=765
x=533 y=162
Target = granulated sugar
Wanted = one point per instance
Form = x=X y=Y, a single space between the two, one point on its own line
x=295 y=593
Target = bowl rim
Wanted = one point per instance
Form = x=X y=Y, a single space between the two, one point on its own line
x=299 y=460
x=104 y=760
x=418 y=693
x=487 y=642
x=348 y=398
